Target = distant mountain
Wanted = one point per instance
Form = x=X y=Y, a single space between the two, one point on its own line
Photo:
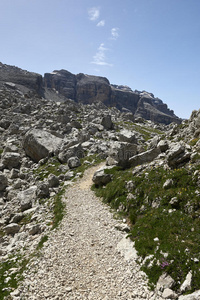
x=88 y=89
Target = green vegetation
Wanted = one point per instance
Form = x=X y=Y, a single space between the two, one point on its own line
x=92 y=161
x=193 y=142
x=145 y=131
x=50 y=167
x=41 y=242
x=10 y=274
x=164 y=221
x=58 y=209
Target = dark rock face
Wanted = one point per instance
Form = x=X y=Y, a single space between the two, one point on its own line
x=87 y=89
x=154 y=109
x=124 y=98
x=62 y=81
x=11 y=75
x=91 y=89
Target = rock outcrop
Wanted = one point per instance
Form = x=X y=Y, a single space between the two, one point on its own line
x=13 y=77
x=89 y=89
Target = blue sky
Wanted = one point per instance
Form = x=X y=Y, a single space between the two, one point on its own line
x=151 y=45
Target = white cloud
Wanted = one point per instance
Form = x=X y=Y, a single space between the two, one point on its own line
x=93 y=13
x=115 y=33
x=100 y=58
x=101 y=23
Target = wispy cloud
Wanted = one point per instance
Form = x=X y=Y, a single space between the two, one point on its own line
x=101 y=23
x=114 y=33
x=100 y=57
x=93 y=13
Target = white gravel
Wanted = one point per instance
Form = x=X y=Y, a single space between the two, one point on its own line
x=85 y=258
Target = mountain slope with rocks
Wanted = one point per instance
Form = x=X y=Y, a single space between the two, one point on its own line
x=87 y=89
x=151 y=177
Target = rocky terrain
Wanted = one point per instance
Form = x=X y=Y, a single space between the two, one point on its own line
x=86 y=89
x=52 y=129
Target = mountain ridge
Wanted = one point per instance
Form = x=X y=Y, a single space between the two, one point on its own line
x=88 y=89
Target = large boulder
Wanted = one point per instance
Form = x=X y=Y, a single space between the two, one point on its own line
x=100 y=177
x=120 y=153
x=39 y=144
x=128 y=136
x=73 y=162
x=107 y=122
x=144 y=157
x=177 y=155
x=12 y=228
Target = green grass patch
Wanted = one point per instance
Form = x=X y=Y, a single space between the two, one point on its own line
x=145 y=131
x=92 y=159
x=50 y=167
x=193 y=142
x=152 y=214
x=42 y=241
x=11 y=269
x=58 y=209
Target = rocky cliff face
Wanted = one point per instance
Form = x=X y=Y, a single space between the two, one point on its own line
x=24 y=80
x=88 y=89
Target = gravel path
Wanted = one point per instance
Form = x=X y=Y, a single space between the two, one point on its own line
x=87 y=257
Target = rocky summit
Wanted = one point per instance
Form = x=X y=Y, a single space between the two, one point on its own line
x=87 y=89
x=57 y=239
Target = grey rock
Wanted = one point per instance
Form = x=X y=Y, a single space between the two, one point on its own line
x=11 y=160
x=17 y=218
x=68 y=152
x=12 y=228
x=127 y=136
x=193 y=296
x=100 y=177
x=27 y=197
x=163 y=145
x=35 y=229
x=122 y=152
x=73 y=162
x=144 y=157
x=42 y=190
x=92 y=89
x=187 y=283
x=3 y=182
x=177 y=155
x=174 y=202
x=39 y=144
x=19 y=183
x=69 y=175
x=14 y=173
x=169 y=294
x=26 y=204
x=107 y=122
x=62 y=81
x=165 y=281
x=53 y=180
x=168 y=183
